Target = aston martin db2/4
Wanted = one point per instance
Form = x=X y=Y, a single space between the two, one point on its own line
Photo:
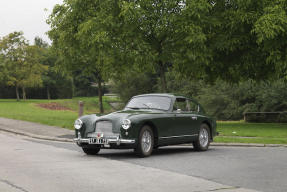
x=147 y=122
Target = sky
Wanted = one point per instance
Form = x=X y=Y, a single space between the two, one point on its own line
x=28 y=16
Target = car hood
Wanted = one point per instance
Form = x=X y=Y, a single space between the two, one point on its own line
x=116 y=118
x=124 y=114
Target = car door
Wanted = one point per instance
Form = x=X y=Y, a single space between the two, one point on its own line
x=193 y=123
x=183 y=121
x=165 y=124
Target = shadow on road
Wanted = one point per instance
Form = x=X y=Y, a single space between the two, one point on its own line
x=129 y=154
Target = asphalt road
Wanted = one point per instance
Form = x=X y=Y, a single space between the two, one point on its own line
x=259 y=168
x=262 y=169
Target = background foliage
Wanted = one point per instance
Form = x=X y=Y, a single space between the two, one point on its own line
x=223 y=100
x=229 y=55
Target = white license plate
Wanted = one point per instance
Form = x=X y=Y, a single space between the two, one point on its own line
x=98 y=141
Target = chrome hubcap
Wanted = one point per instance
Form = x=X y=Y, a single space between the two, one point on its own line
x=203 y=137
x=146 y=141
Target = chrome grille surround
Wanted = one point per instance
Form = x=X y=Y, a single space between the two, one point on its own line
x=105 y=127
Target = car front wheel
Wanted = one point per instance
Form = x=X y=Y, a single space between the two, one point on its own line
x=145 y=142
x=203 y=140
x=91 y=151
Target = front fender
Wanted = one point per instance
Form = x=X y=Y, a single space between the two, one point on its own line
x=88 y=124
x=137 y=123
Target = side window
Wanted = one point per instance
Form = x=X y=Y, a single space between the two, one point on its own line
x=194 y=107
x=182 y=104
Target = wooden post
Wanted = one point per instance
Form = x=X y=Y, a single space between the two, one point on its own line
x=81 y=108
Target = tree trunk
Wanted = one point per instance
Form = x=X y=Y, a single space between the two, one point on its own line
x=73 y=86
x=100 y=95
x=24 y=93
x=17 y=93
x=48 y=93
x=162 y=77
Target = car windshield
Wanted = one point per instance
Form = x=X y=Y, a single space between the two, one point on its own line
x=150 y=102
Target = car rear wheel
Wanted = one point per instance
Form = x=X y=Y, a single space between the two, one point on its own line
x=145 y=142
x=91 y=151
x=203 y=140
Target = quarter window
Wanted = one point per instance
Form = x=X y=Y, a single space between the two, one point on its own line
x=194 y=107
x=182 y=104
x=186 y=105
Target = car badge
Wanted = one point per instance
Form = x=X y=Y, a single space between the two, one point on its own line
x=99 y=135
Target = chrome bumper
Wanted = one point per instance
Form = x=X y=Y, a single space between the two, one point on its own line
x=118 y=141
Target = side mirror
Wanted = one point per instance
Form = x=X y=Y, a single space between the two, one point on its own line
x=178 y=110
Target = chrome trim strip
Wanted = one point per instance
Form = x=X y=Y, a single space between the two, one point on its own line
x=118 y=141
x=128 y=141
x=178 y=136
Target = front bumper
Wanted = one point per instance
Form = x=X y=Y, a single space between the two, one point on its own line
x=116 y=141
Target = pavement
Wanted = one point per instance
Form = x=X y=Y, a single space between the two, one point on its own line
x=36 y=130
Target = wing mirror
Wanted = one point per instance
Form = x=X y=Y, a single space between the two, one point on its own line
x=178 y=110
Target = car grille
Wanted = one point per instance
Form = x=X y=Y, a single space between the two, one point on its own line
x=105 y=127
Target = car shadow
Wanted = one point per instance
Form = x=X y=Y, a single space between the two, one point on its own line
x=130 y=154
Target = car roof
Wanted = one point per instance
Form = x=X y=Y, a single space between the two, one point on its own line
x=170 y=95
x=161 y=94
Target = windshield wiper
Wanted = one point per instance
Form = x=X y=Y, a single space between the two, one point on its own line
x=135 y=108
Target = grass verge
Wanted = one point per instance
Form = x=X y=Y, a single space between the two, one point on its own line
x=261 y=140
x=241 y=132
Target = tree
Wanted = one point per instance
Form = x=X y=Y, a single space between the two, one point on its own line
x=232 y=40
x=32 y=69
x=2 y=68
x=248 y=40
x=80 y=38
x=271 y=32
x=21 y=63
x=134 y=83
x=50 y=77
x=160 y=33
x=39 y=42
x=12 y=50
x=48 y=59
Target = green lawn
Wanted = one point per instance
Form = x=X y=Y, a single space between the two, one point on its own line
x=29 y=111
x=264 y=140
x=240 y=128
x=267 y=133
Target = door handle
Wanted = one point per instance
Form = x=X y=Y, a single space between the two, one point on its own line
x=194 y=118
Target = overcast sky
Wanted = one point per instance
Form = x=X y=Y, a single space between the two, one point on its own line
x=28 y=16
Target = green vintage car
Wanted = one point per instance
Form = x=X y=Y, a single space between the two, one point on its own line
x=147 y=122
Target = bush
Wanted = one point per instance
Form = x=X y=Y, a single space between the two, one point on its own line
x=227 y=101
x=222 y=100
x=134 y=83
x=60 y=90
x=266 y=117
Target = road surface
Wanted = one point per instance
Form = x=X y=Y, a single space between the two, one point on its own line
x=28 y=165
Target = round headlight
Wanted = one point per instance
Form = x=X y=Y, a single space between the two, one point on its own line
x=78 y=124
x=126 y=124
